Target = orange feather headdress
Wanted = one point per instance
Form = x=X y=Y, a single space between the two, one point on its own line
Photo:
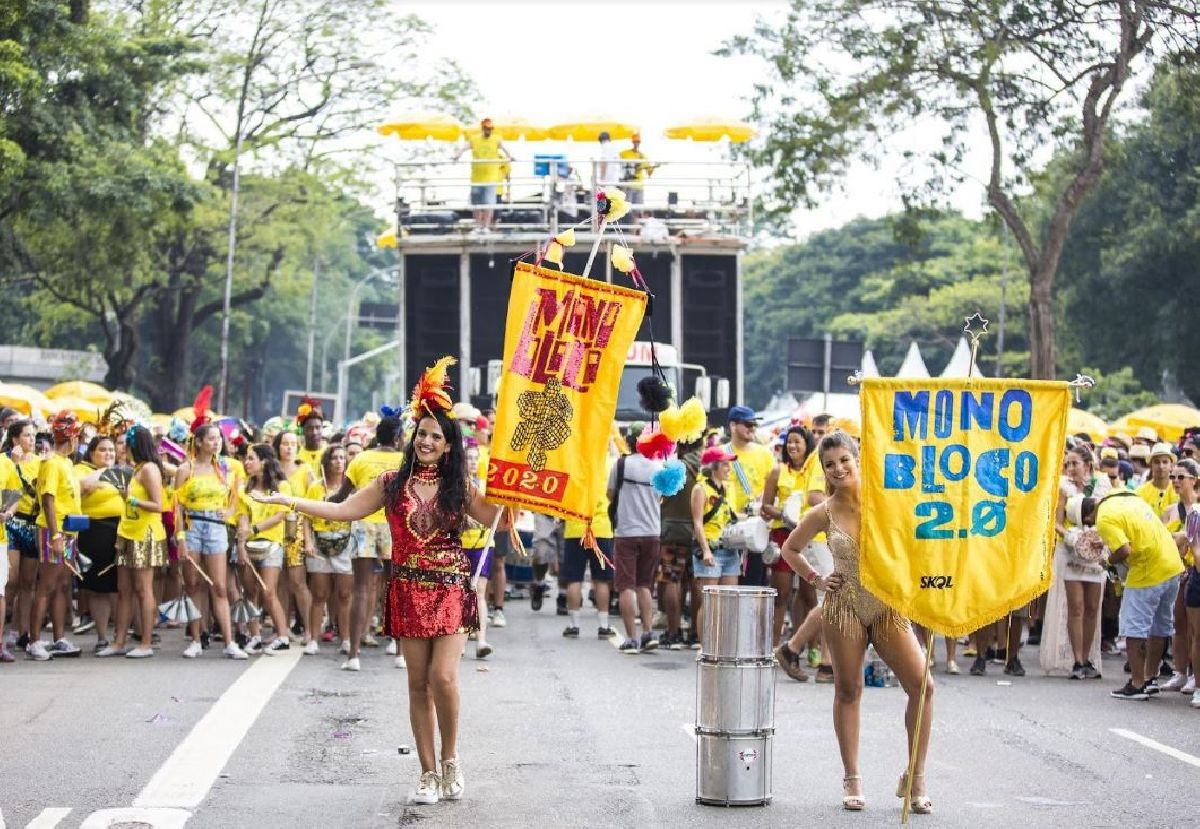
x=431 y=393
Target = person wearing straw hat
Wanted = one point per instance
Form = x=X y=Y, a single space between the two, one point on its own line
x=1158 y=491
x=59 y=496
x=431 y=605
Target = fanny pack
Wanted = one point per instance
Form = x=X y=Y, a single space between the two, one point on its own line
x=76 y=523
x=259 y=548
x=332 y=544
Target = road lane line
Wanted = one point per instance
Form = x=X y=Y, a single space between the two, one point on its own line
x=1182 y=756
x=49 y=818
x=184 y=779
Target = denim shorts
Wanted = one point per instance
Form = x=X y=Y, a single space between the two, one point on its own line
x=728 y=563
x=483 y=194
x=1149 y=611
x=207 y=537
x=273 y=558
x=1192 y=597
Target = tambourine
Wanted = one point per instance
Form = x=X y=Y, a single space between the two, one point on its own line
x=1089 y=547
x=792 y=507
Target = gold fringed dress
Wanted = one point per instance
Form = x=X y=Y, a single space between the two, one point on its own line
x=851 y=609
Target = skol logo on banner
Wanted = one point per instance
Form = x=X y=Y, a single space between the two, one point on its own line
x=959 y=487
x=565 y=341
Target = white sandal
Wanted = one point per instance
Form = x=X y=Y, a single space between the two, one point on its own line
x=920 y=804
x=853 y=802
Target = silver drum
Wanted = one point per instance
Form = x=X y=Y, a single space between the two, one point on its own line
x=735 y=698
x=737 y=622
x=733 y=770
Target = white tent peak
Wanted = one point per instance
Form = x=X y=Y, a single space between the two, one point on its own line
x=960 y=361
x=914 y=364
x=868 y=368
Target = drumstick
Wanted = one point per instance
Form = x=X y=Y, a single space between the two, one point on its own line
x=199 y=569
x=261 y=583
x=106 y=569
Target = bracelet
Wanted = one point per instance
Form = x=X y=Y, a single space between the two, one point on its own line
x=58 y=536
x=133 y=501
x=254 y=529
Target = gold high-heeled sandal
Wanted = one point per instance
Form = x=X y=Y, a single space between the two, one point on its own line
x=920 y=804
x=853 y=802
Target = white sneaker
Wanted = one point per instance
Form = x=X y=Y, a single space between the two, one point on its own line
x=277 y=645
x=391 y=647
x=351 y=665
x=1190 y=687
x=234 y=652
x=1175 y=683
x=452 y=780
x=111 y=650
x=140 y=653
x=400 y=663
x=254 y=647
x=63 y=648
x=498 y=619
x=192 y=651
x=1196 y=699
x=428 y=789
x=344 y=647
x=37 y=650
x=312 y=648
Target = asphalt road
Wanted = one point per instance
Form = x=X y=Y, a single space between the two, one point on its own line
x=568 y=732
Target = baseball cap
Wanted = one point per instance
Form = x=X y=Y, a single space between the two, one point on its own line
x=1140 y=452
x=715 y=454
x=742 y=414
x=1162 y=449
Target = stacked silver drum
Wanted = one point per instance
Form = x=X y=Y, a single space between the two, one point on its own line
x=735 y=698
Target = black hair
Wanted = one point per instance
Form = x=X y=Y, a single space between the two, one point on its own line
x=822 y=419
x=277 y=441
x=201 y=433
x=452 y=488
x=1190 y=465
x=94 y=444
x=271 y=475
x=1084 y=452
x=14 y=432
x=1088 y=509
x=810 y=442
x=327 y=458
x=389 y=429
x=142 y=449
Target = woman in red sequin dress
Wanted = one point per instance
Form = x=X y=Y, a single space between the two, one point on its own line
x=431 y=605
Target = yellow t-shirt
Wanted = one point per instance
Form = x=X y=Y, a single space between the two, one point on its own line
x=814 y=481
x=368 y=466
x=136 y=522
x=206 y=492
x=714 y=525
x=8 y=481
x=1153 y=556
x=258 y=513
x=30 y=467
x=302 y=478
x=601 y=526
x=790 y=481
x=235 y=473
x=475 y=535
x=486 y=150
x=757 y=462
x=57 y=477
x=640 y=171
x=1158 y=499
x=105 y=501
x=311 y=457
x=317 y=492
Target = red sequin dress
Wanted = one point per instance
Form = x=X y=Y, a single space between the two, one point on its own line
x=430 y=592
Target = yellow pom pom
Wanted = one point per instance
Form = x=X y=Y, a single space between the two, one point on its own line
x=618 y=205
x=554 y=253
x=622 y=258
x=566 y=238
x=686 y=423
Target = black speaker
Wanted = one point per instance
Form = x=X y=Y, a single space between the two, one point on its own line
x=431 y=311
x=709 y=304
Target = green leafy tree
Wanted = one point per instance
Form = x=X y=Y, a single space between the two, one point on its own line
x=849 y=76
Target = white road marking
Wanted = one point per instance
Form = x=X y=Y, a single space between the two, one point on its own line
x=690 y=730
x=156 y=818
x=1182 y=756
x=49 y=818
x=184 y=779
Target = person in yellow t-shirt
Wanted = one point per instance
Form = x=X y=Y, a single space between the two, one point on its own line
x=1137 y=538
x=104 y=504
x=328 y=547
x=487 y=155
x=260 y=541
x=474 y=540
x=311 y=420
x=753 y=464
x=784 y=481
x=636 y=170
x=58 y=496
x=372 y=538
x=141 y=544
x=300 y=477
x=577 y=560
x=1158 y=491
x=10 y=560
x=21 y=445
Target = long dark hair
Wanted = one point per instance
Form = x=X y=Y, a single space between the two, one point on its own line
x=271 y=475
x=452 y=488
x=142 y=449
x=327 y=460
x=810 y=443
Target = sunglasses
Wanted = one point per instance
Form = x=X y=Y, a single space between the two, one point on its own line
x=1182 y=477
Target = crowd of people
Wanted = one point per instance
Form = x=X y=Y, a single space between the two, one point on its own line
x=294 y=535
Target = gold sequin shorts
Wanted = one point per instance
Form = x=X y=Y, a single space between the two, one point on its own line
x=144 y=553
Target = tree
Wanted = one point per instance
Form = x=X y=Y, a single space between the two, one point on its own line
x=851 y=75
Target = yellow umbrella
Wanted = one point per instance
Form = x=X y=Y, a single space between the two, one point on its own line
x=87 y=410
x=423 y=126
x=80 y=389
x=1079 y=421
x=24 y=398
x=513 y=129
x=1168 y=419
x=387 y=240
x=711 y=129
x=589 y=129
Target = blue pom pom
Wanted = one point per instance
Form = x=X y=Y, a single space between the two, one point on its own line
x=670 y=479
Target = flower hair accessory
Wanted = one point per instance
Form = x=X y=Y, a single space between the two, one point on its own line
x=388 y=411
x=131 y=435
x=308 y=408
x=431 y=394
x=116 y=419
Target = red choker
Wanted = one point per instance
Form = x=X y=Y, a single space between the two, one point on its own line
x=426 y=473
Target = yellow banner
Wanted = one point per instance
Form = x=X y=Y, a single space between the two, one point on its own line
x=565 y=341
x=959 y=486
